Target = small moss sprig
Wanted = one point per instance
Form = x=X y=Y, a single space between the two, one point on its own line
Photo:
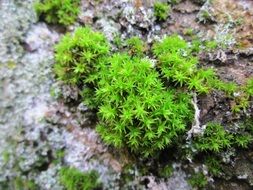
x=73 y=179
x=198 y=180
x=136 y=46
x=161 y=11
x=215 y=139
x=78 y=57
x=242 y=102
x=62 y=12
x=179 y=66
x=214 y=165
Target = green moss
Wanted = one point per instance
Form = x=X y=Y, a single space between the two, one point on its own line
x=6 y=156
x=136 y=46
x=136 y=110
x=211 y=45
x=242 y=101
x=62 y=12
x=73 y=179
x=174 y=2
x=161 y=11
x=198 y=180
x=214 y=166
x=180 y=67
x=243 y=140
x=166 y=171
x=189 y=32
x=143 y=105
x=215 y=139
x=118 y=41
x=21 y=184
x=204 y=16
x=78 y=57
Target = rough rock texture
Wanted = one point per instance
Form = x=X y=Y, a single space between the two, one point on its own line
x=36 y=126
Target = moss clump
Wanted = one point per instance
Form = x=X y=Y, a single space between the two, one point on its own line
x=143 y=105
x=136 y=46
x=73 y=179
x=136 y=110
x=161 y=11
x=215 y=139
x=214 y=166
x=62 y=12
x=198 y=180
x=177 y=64
x=242 y=102
x=78 y=57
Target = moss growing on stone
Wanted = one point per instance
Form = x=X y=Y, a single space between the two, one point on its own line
x=136 y=110
x=62 y=12
x=73 y=179
x=215 y=139
x=161 y=11
x=198 y=180
x=143 y=105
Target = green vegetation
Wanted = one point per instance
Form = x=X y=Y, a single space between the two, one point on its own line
x=145 y=105
x=136 y=110
x=204 y=16
x=166 y=171
x=198 y=180
x=179 y=66
x=174 y=2
x=242 y=101
x=136 y=46
x=141 y=104
x=21 y=184
x=214 y=166
x=78 y=57
x=215 y=139
x=161 y=11
x=73 y=179
x=62 y=12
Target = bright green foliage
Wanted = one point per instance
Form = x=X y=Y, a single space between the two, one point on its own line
x=196 y=45
x=198 y=180
x=215 y=139
x=244 y=135
x=136 y=46
x=141 y=105
x=170 y=44
x=249 y=87
x=136 y=109
x=73 y=179
x=228 y=87
x=62 y=12
x=180 y=67
x=211 y=45
x=78 y=57
x=243 y=140
x=161 y=11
